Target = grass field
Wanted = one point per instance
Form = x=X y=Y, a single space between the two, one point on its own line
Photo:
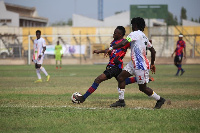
x=46 y=107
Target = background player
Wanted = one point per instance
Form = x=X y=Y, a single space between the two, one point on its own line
x=39 y=48
x=139 y=64
x=58 y=54
x=179 y=54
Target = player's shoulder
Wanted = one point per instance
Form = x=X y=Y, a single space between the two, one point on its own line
x=42 y=39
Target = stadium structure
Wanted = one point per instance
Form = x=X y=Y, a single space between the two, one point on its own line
x=86 y=34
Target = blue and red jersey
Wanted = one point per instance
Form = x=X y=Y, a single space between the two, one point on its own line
x=180 y=47
x=117 y=54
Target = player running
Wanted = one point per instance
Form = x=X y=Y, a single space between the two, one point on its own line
x=39 y=48
x=179 y=55
x=139 y=64
x=113 y=68
x=58 y=54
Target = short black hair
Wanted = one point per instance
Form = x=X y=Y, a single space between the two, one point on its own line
x=122 y=29
x=140 y=23
x=38 y=31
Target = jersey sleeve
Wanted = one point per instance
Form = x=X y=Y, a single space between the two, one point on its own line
x=149 y=45
x=44 y=43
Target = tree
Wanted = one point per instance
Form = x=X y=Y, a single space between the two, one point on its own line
x=69 y=22
x=199 y=19
x=62 y=23
x=183 y=14
x=171 y=20
x=192 y=20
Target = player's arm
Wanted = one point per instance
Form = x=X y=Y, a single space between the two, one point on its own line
x=100 y=51
x=153 y=56
x=173 y=52
x=119 y=45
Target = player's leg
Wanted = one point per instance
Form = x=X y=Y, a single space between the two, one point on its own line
x=38 y=73
x=107 y=74
x=176 y=63
x=180 y=66
x=127 y=72
x=121 y=90
x=42 y=68
x=56 y=64
x=130 y=80
x=143 y=78
x=56 y=57
x=60 y=62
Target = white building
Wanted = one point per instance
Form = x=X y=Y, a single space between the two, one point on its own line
x=17 y=15
x=122 y=19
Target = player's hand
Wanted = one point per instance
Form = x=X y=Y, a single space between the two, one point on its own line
x=96 y=51
x=172 y=55
x=39 y=56
x=61 y=55
x=153 y=69
x=32 y=60
x=184 y=56
x=107 y=53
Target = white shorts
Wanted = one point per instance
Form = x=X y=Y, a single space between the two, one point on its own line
x=142 y=76
x=39 y=61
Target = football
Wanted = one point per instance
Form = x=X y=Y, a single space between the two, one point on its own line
x=74 y=97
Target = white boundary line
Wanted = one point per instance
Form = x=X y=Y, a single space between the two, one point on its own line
x=64 y=106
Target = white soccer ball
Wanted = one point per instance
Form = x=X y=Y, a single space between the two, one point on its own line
x=74 y=97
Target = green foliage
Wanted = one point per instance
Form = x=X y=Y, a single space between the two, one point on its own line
x=62 y=23
x=183 y=14
x=46 y=107
x=171 y=20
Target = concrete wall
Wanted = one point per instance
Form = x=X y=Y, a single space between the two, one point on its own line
x=4 y=14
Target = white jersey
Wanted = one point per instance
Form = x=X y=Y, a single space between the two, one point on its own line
x=38 y=47
x=139 y=43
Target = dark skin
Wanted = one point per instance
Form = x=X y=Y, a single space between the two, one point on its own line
x=184 y=54
x=38 y=35
x=124 y=74
x=117 y=36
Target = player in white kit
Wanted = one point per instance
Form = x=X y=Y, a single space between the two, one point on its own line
x=39 y=48
x=139 y=64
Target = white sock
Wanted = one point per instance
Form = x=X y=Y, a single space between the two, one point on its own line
x=155 y=96
x=43 y=70
x=38 y=73
x=121 y=93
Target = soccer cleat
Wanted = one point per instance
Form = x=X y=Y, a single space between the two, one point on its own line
x=81 y=99
x=56 y=67
x=38 y=81
x=60 y=67
x=182 y=72
x=120 y=103
x=48 y=77
x=159 y=103
x=176 y=75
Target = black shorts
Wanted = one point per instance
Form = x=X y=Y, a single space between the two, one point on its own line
x=112 y=71
x=178 y=59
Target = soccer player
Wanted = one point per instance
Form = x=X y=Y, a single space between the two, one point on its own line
x=179 y=55
x=139 y=64
x=39 y=48
x=58 y=54
x=113 y=68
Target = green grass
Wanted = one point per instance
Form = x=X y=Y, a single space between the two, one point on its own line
x=46 y=107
